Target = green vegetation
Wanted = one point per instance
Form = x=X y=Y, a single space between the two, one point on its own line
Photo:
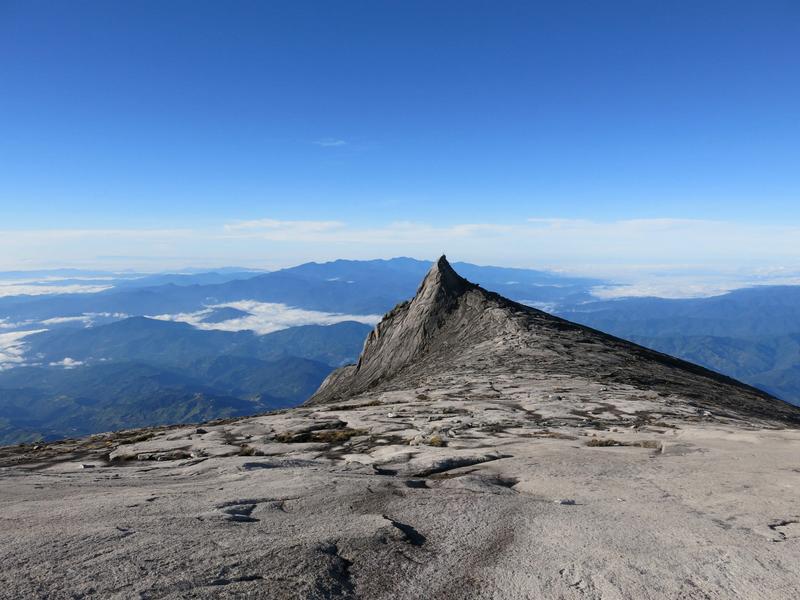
x=139 y=372
x=608 y=442
x=245 y=450
x=325 y=436
x=135 y=439
x=52 y=403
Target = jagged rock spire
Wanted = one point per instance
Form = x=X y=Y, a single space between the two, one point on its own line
x=442 y=280
x=405 y=332
x=452 y=324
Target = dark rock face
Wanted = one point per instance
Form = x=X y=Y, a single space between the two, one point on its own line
x=407 y=332
x=452 y=324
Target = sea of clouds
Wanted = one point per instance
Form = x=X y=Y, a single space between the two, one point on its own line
x=265 y=317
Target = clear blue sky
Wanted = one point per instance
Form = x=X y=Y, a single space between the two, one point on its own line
x=187 y=113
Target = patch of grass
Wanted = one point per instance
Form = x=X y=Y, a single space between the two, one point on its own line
x=355 y=406
x=493 y=428
x=143 y=437
x=287 y=437
x=121 y=457
x=325 y=436
x=604 y=442
x=335 y=436
x=653 y=444
x=607 y=442
x=453 y=410
x=546 y=433
x=503 y=481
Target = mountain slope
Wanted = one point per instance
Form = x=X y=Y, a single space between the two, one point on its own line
x=751 y=334
x=747 y=313
x=452 y=324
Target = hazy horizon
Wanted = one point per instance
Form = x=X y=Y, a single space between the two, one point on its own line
x=665 y=281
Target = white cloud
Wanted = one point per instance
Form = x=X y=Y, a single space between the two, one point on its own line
x=67 y=363
x=43 y=290
x=87 y=319
x=330 y=142
x=273 y=229
x=536 y=241
x=60 y=320
x=266 y=317
x=698 y=285
x=108 y=315
x=57 y=278
x=9 y=324
x=402 y=234
x=12 y=348
x=545 y=306
x=670 y=288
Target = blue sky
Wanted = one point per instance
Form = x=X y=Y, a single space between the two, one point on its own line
x=161 y=131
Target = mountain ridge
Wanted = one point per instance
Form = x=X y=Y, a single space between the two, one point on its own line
x=406 y=339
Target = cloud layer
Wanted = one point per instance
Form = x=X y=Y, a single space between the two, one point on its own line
x=12 y=347
x=330 y=143
x=17 y=289
x=265 y=317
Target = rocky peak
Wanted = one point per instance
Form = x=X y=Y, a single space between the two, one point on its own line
x=452 y=327
x=409 y=331
x=442 y=282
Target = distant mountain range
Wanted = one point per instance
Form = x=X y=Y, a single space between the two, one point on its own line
x=140 y=371
x=751 y=334
x=342 y=286
x=102 y=360
x=178 y=345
